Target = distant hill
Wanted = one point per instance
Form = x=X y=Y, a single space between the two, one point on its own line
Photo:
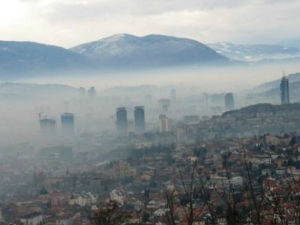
x=257 y=53
x=20 y=59
x=252 y=120
x=128 y=52
x=125 y=50
x=295 y=77
x=27 y=59
x=292 y=42
x=270 y=91
x=263 y=108
x=21 y=90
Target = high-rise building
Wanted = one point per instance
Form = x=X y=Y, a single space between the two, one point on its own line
x=67 y=123
x=148 y=98
x=173 y=95
x=284 y=91
x=164 y=124
x=229 y=102
x=47 y=126
x=164 y=104
x=205 y=99
x=139 y=119
x=81 y=92
x=92 y=92
x=122 y=123
x=181 y=133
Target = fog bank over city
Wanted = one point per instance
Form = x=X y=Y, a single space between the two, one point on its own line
x=160 y=112
x=218 y=79
x=24 y=100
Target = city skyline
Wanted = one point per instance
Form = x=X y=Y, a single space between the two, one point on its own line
x=149 y=112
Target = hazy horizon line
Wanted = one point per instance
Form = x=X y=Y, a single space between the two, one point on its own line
x=145 y=35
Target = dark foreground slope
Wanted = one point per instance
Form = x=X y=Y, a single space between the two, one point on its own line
x=253 y=120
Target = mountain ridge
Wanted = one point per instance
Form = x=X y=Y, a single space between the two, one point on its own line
x=256 y=52
x=119 y=52
x=24 y=57
x=20 y=59
x=152 y=50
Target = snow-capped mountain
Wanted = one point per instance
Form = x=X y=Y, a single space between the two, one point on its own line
x=255 y=53
x=125 y=51
x=149 y=51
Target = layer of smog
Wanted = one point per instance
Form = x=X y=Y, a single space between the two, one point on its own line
x=193 y=121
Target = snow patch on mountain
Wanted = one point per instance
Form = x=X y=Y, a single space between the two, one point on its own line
x=150 y=50
x=253 y=53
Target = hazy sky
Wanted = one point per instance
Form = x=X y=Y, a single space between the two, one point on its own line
x=71 y=22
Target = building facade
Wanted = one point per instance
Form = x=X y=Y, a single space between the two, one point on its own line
x=229 y=102
x=47 y=126
x=67 y=123
x=284 y=91
x=139 y=119
x=122 y=122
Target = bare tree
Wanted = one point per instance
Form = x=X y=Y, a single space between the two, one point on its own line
x=170 y=198
x=110 y=214
x=192 y=188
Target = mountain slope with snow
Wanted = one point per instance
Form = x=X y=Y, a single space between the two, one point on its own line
x=255 y=53
x=149 y=51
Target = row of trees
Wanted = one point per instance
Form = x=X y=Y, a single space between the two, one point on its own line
x=193 y=198
x=268 y=202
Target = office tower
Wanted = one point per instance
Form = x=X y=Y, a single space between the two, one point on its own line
x=206 y=99
x=139 y=119
x=67 y=123
x=130 y=126
x=148 y=98
x=181 y=133
x=81 y=92
x=47 y=126
x=164 y=123
x=173 y=95
x=284 y=91
x=229 y=102
x=92 y=92
x=122 y=123
x=164 y=104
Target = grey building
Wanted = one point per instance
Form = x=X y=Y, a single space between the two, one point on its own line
x=92 y=92
x=164 y=104
x=284 y=91
x=67 y=123
x=122 y=122
x=229 y=101
x=139 y=119
x=81 y=92
x=47 y=126
x=173 y=95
